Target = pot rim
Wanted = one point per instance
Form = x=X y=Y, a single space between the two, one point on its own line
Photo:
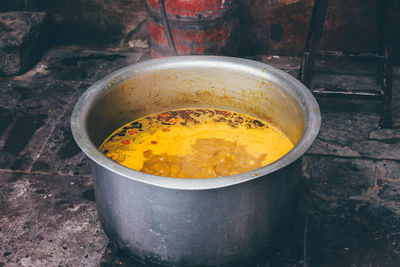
x=292 y=86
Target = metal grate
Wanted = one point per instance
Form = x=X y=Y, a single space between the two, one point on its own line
x=383 y=57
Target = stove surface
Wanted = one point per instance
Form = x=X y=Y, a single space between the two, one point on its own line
x=349 y=212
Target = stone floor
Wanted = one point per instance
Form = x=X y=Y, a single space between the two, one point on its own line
x=349 y=212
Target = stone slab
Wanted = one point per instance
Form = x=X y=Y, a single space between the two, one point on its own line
x=352 y=212
x=322 y=147
x=352 y=133
x=339 y=178
x=77 y=64
x=350 y=233
x=343 y=127
x=334 y=178
x=46 y=221
x=23 y=38
x=61 y=154
x=378 y=149
x=31 y=110
x=387 y=135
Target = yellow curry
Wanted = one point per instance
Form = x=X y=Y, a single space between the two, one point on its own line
x=196 y=143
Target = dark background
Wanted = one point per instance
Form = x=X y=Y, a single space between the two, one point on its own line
x=276 y=27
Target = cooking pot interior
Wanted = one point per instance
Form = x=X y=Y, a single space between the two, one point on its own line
x=234 y=87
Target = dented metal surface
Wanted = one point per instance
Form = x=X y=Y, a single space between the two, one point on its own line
x=201 y=222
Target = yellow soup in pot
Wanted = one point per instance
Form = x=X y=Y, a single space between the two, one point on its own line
x=196 y=143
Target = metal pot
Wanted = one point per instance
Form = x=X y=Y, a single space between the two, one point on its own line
x=203 y=222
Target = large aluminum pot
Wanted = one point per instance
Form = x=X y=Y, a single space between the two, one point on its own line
x=203 y=222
